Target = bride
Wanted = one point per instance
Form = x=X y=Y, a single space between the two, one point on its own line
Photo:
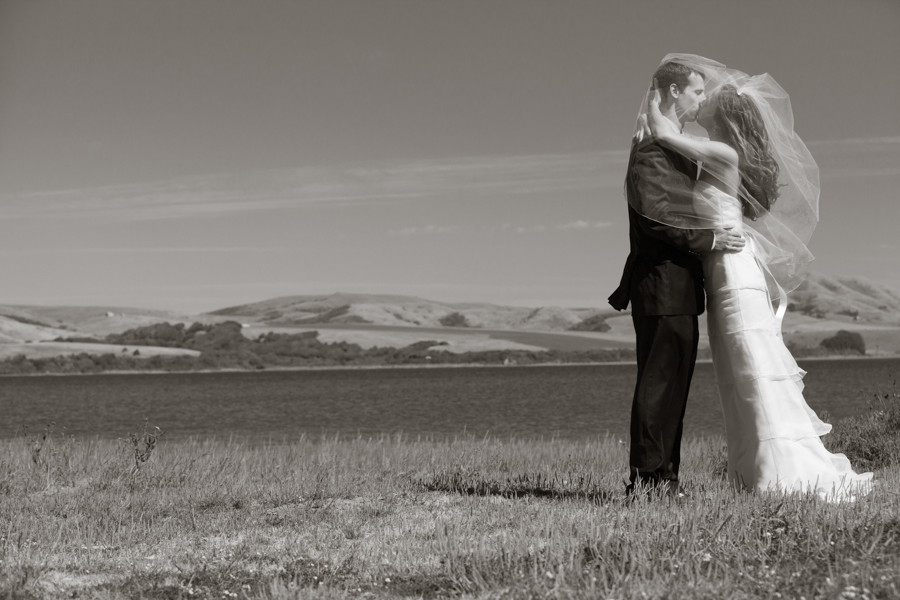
x=756 y=177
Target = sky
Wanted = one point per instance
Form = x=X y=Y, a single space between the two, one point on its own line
x=197 y=155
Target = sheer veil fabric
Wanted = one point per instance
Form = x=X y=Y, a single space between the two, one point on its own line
x=781 y=232
x=773 y=436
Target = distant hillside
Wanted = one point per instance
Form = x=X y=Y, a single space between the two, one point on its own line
x=822 y=304
x=822 y=296
x=97 y=321
x=15 y=328
x=854 y=298
x=407 y=310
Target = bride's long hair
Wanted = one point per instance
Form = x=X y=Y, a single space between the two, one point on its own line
x=740 y=120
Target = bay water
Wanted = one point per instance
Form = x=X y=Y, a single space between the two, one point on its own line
x=567 y=401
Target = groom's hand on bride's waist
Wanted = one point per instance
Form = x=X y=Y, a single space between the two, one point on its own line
x=728 y=240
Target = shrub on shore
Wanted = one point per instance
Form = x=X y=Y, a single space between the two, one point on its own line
x=454 y=319
x=843 y=341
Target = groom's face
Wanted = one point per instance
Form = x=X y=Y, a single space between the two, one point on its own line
x=688 y=100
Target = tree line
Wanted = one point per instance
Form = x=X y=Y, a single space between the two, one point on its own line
x=223 y=346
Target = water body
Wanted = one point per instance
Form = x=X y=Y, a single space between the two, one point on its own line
x=572 y=402
x=545 y=339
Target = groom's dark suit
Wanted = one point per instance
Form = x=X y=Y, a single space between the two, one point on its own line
x=663 y=280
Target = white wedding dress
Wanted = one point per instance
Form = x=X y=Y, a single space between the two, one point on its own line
x=773 y=436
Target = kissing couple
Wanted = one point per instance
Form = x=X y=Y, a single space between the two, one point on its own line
x=725 y=217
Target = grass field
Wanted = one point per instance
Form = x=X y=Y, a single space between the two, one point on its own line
x=394 y=517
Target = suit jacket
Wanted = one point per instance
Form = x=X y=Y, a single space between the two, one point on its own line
x=664 y=271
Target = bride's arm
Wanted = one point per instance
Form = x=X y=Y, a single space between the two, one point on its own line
x=715 y=156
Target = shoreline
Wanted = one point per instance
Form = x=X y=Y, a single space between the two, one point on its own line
x=413 y=366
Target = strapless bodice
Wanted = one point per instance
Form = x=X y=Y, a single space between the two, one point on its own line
x=719 y=208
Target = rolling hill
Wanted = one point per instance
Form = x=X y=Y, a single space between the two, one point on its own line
x=822 y=305
x=853 y=297
x=409 y=311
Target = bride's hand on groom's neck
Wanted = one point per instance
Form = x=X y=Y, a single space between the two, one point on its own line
x=642 y=131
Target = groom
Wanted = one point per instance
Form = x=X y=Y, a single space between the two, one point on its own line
x=663 y=280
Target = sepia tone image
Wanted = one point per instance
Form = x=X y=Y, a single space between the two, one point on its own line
x=471 y=299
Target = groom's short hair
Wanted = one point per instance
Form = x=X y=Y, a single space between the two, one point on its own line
x=673 y=72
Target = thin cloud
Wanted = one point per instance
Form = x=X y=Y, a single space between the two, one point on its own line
x=580 y=224
x=862 y=159
x=149 y=250
x=572 y=225
x=426 y=230
x=371 y=183
x=862 y=141
x=861 y=171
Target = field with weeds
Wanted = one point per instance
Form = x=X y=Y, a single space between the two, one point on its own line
x=394 y=517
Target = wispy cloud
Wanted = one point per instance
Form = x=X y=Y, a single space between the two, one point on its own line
x=381 y=182
x=530 y=229
x=580 y=224
x=425 y=230
x=857 y=158
x=488 y=178
x=856 y=142
x=145 y=250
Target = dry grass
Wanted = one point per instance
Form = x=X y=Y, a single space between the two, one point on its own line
x=393 y=517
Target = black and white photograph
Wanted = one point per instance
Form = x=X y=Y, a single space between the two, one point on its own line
x=472 y=299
